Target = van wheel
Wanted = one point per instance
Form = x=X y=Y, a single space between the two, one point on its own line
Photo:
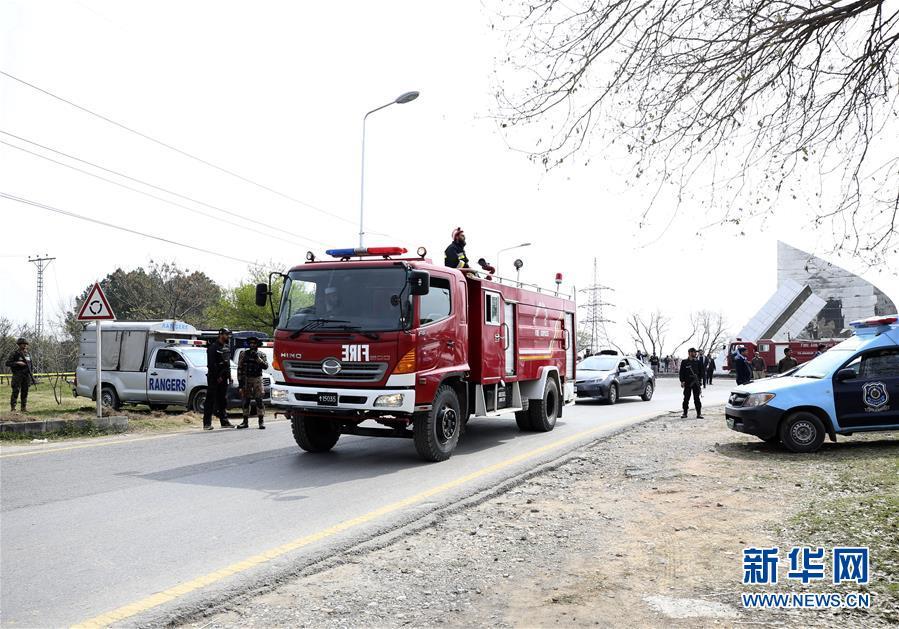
x=198 y=401
x=647 y=392
x=523 y=419
x=109 y=398
x=544 y=412
x=802 y=432
x=437 y=432
x=314 y=435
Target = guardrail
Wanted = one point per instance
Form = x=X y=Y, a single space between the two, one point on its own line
x=6 y=378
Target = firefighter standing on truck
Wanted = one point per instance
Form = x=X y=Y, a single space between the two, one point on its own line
x=249 y=377
x=218 y=377
x=455 y=256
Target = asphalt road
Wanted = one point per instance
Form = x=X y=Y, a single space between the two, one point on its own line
x=138 y=526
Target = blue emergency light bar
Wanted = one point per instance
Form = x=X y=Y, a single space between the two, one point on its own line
x=366 y=251
x=187 y=342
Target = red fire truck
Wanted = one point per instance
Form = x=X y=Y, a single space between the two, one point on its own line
x=416 y=347
x=803 y=350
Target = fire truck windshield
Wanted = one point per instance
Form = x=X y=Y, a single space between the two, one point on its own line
x=368 y=300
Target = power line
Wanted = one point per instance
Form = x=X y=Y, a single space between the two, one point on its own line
x=153 y=196
x=148 y=184
x=50 y=208
x=177 y=150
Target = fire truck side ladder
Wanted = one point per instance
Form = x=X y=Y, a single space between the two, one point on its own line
x=480 y=400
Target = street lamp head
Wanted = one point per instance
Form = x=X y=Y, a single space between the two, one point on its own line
x=406 y=98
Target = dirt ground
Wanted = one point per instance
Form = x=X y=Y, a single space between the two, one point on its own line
x=645 y=529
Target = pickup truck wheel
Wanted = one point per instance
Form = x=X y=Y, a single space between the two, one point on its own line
x=109 y=398
x=544 y=412
x=802 y=432
x=198 y=401
x=437 y=432
x=523 y=419
x=314 y=435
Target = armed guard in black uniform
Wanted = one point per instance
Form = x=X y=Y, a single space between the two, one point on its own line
x=691 y=380
x=19 y=363
x=250 y=368
x=218 y=360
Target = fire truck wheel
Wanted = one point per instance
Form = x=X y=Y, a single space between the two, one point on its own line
x=314 y=435
x=437 y=432
x=544 y=412
x=523 y=419
x=802 y=432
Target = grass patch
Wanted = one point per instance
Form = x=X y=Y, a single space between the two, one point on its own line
x=43 y=405
x=858 y=505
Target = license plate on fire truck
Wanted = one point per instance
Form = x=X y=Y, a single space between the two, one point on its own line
x=327 y=399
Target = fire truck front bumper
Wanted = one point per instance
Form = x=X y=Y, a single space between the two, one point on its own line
x=380 y=401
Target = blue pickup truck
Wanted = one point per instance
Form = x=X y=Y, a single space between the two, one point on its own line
x=852 y=387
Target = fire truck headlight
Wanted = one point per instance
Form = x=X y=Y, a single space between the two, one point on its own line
x=279 y=395
x=758 y=399
x=393 y=400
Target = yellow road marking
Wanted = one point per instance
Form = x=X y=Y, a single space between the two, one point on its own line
x=89 y=445
x=172 y=593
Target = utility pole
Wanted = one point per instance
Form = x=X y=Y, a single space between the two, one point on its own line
x=595 y=321
x=41 y=263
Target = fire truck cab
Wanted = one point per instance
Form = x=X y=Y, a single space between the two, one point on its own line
x=417 y=348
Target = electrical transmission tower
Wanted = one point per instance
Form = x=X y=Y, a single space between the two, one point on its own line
x=41 y=263
x=595 y=321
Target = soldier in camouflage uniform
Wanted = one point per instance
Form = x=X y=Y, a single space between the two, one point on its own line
x=19 y=362
x=250 y=368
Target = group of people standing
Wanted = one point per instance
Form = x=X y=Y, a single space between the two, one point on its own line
x=671 y=364
x=250 y=369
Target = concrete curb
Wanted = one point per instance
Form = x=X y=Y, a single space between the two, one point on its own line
x=116 y=423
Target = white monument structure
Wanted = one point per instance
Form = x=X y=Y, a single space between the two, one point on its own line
x=814 y=299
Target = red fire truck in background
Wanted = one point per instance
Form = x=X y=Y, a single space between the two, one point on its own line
x=416 y=347
x=803 y=350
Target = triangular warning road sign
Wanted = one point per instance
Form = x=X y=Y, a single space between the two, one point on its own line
x=95 y=307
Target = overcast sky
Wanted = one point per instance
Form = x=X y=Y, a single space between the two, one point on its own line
x=276 y=92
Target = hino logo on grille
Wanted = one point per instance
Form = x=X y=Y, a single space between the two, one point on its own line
x=331 y=366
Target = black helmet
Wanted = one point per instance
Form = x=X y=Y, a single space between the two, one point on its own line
x=21 y=341
x=224 y=331
x=253 y=339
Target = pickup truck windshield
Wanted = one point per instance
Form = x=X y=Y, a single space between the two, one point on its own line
x=367 y=300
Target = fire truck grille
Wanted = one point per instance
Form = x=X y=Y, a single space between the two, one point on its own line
x=349 y=371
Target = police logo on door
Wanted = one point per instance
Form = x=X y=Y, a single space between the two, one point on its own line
x=875 y=396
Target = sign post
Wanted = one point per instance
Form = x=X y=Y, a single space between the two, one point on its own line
x=96 y=308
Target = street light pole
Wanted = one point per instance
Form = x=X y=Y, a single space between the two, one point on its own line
x=400 y=100
x=524 y=244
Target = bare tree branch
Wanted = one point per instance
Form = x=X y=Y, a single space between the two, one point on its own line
x=737 y=104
